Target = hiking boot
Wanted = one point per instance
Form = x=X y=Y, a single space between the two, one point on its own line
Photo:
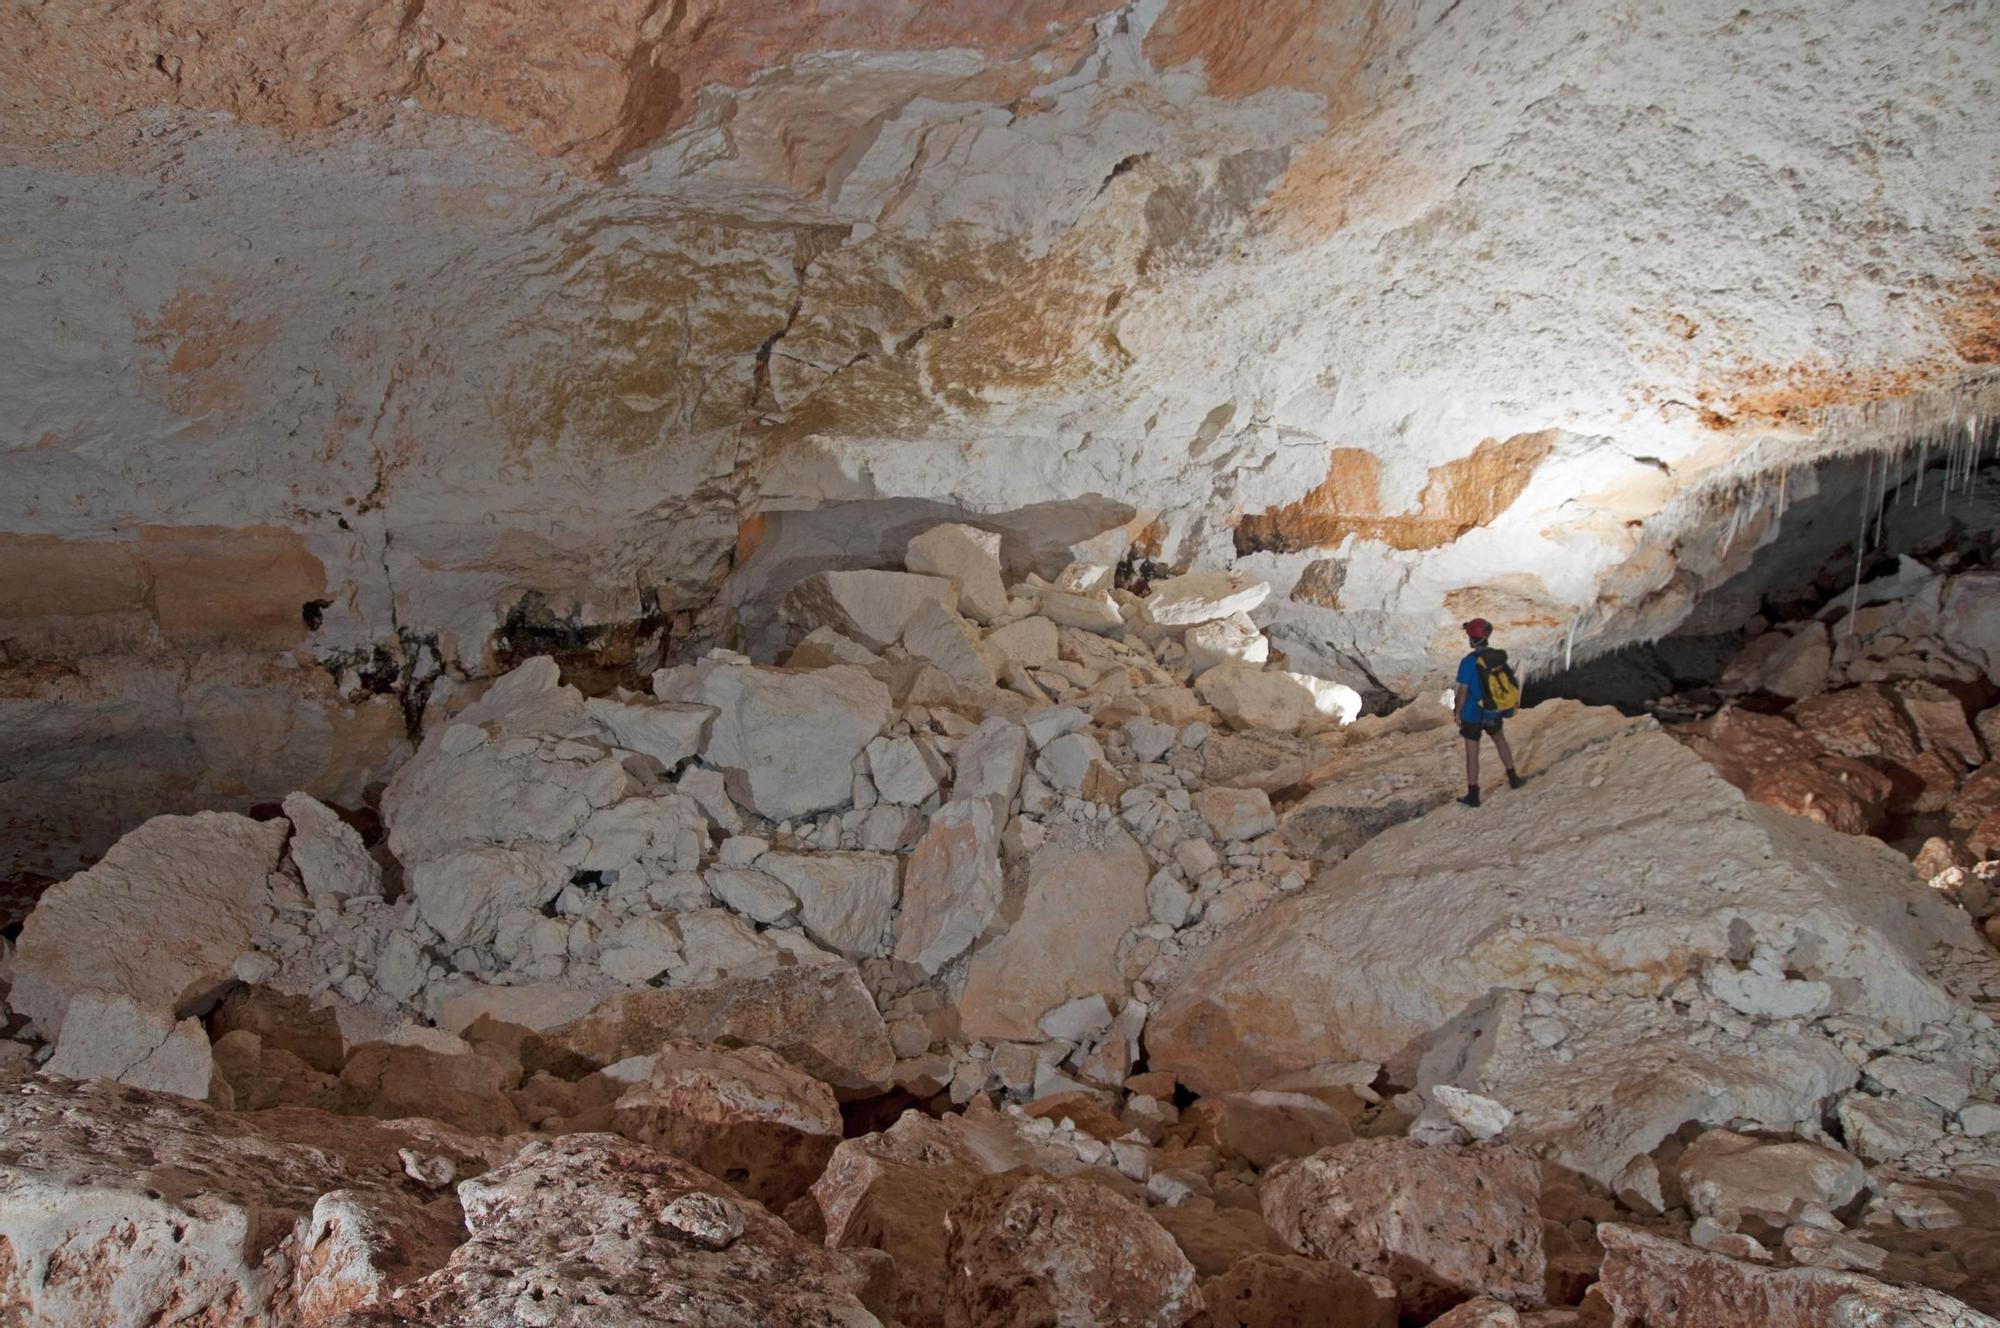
x=1514 y=780
x=1471 y=798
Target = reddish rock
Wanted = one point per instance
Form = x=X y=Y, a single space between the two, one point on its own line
x=1286 y=1291
x=742 y=1115
x=592 y=1229
x=1444 y=1223
x=119 y=1206
x=1264 y=1128
x=1653 y=1282
x=1216 y=1239
x=1977 y=799
x=467 y=1091
x=1837 y=792
x=1984 y=839
x=1744 y=745
x=1940 y=722
x=1024 y=1251
x=1086 y=1110
x=1926 y=783
x=1484 y=1312
x=1859 y=722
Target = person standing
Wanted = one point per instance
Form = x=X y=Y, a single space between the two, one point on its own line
x=1487 y=695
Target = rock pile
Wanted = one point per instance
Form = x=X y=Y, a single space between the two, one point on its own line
x=1214 y=1008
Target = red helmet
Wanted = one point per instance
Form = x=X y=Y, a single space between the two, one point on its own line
x=1478 y=629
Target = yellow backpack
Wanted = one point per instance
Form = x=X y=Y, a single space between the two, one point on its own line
x=1500 y=690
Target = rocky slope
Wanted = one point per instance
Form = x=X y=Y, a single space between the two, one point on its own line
x=973 y=969
x=350 y=348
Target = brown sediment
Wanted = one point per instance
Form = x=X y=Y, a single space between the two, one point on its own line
x=1460 y=495
x=1320 y=583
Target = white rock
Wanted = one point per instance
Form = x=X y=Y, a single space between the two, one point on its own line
x=752 y=893
x=941 y=637
x=1045 y=726
x=1236 y=814
x=1725 y=1172
x=161 y=918
x=1252 y=698
x=1945 y=1084
x=989 y=762
x=667 y=732
x=639 y=950
x=1029 y=641
x=332 y=861
x=1231 y=640
x=1168 y=900
x=952 y=885
x=905 y=770
x=846 y=900
x=871 y=607
x=970 y=559
x=1090 y=613
x=1077 y=1021
x=1199 y=597
x=1979 y=1120
x=462 y=896
x=1149 y=738
x=1480 y=1117
x=823 y=646
x=788 y=740
x=107 y=1035
x=707 y=789
x=1765 y=996
x=1066 y=762
x=716 y=944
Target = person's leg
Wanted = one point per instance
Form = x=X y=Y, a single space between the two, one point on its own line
x=1471 y=798
x=1506 y=758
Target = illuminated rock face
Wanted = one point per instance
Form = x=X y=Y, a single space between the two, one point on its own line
x=366 y=348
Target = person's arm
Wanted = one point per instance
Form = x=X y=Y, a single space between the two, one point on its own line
x=1458 y=701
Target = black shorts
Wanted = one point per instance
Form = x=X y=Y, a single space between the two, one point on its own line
x=1489 y=726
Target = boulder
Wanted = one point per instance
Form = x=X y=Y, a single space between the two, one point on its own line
x=743 y=1115
x=119 y=1206
x=750 y=892
x=1939 y=718
x=969 y=558
x=819 y=1018
x=1252 y=698
x=787 y=741
x=905 y=770
x=1028 y=1250
x=1233 y=814
x=595 y=1229
x=1085 y=889
x=463 y=1088
x=952 y=881
x=847 y=901
x=1444 y=1223
x=1030 y=641
x=1970 y=619
x=1096 y=612
x=870 y=607
x=1199 y=597
x=332 y=862
x=462 y=896
x=1286 y=1290
x=668 y=733
x=1651 y=1281
x=989 y=763
x=1264 y=1127
x=161 y=918
x=1860 y=722
x=111 y=1036
x=1231 y=640
x=1726 y=1172
x=1599 y=892
x=822 y=647
x=940 y=637
x=1786 y=663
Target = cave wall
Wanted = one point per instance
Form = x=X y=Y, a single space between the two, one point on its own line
x=335 y=334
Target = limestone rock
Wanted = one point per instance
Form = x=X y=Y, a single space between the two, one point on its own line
x=1859 y=722
x=1312 y=979
x=952 y=882
x=1444 y=1223
x=970 y=559
x=939 y=636
x=819 y=1018
x=870 y=607
x=1234 y=814
x=108 y=1036
x=462 y=896
x=161 y=919
x=668 y=733
x=1792 y=664
x=1264 y=1127
x=1252 y=698
x=1201 y=597
x=743 y=1115
x=464 y=1088
x=752 y=893
x=601 y=1228
x=905 y=770
x=847 y=901
x=1096 y=612
x=1030 y=641
x=788 y=740
x=1026 y=1249
x=332 y=861
x=142 y=1206
x=1726 y=1172
x=1231 y=640
x=989 y=763
x=1649 y=1279
x=1083 y=893
x=823 y=646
